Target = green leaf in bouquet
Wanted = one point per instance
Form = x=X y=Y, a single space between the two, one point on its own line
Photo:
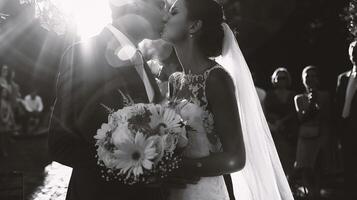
x=127 y=100
x=109 y=110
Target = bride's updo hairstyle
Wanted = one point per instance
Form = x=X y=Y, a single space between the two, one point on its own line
x=210 y=38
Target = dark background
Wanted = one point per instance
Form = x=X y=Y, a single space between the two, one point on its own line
x=272 y=33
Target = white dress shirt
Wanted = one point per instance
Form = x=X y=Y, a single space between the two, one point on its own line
x=350 y=92
x=128 y=51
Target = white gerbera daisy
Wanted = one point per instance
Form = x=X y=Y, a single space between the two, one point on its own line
x=169 y=142
x=165 y=119
x=135 y=155
x=159 y=147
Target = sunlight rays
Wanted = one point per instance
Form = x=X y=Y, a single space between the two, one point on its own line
x=89 y=17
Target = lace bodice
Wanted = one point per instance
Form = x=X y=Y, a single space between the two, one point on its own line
x=192 y=87
x=200 y=143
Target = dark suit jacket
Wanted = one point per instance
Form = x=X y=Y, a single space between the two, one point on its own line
x=86 y=80
x=342 y=84
x=347 y=127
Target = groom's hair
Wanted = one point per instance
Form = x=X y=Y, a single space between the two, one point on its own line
x=124 y=7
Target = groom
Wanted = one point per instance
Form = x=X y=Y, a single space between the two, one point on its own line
x=91 y=75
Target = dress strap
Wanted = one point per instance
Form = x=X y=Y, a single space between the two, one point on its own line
x=206 y=75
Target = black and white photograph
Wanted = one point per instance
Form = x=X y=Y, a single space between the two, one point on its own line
x=178 y=100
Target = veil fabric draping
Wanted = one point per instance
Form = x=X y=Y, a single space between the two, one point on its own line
x=263 y=177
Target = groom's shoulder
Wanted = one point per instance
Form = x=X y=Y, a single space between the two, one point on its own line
x=80 y=52
x=83 y=48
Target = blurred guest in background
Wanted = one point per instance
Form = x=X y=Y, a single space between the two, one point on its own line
x=4 y=77
x=6 y=96
x=15 y=96
x=6 y=120
x=313 y=109
x=281 y=116
x=33 y=108
x=346 y=101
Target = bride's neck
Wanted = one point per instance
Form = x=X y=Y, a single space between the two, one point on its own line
x=191 y=58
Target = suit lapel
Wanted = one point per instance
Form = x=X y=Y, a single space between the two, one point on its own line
x=343 y=91
x=345 y=87
x=157 y=93
x=136 y=87
x=354 y=98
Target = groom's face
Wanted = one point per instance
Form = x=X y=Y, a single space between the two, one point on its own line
x=148 y=12
x=153 y=12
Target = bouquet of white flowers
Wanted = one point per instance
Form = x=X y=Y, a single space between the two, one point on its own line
x=142 y=142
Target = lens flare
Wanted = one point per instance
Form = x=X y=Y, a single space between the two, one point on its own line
x=89 y=17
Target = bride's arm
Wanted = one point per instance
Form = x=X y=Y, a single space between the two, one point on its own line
x=220 y=93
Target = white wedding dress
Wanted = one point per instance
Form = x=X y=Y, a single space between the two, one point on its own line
x=262 y=177
x=202 y=142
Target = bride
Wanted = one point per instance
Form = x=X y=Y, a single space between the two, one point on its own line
x=235 y=139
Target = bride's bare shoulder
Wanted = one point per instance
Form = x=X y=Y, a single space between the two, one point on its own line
x=219 y=74
x=219 y=80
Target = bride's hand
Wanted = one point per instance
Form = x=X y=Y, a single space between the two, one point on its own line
x=179 y=179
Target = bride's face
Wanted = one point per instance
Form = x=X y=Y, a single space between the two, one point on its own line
x=176 y=23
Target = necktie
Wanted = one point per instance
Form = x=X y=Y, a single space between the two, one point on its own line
x=136 y=57
x=139 y=66
x=350 y=92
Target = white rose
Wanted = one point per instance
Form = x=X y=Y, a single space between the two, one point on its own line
x=189 y=111
x=102 y=132
x=169 y=142
x=193 y=115
x=159 y=146
x=108 y=159
x=121 y=134
x=182 y=139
